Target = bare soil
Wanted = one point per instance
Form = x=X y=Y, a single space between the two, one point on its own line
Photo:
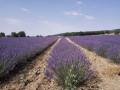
x=108 y=72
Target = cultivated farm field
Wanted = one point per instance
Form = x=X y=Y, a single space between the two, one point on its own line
x=58 y=63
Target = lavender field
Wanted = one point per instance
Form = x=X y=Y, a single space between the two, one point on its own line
x=107 y=46
x=18 y=50
x=68 y=65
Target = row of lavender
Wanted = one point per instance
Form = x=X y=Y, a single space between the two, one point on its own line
x=18 y=50
x=107 y=46
x=68 y=66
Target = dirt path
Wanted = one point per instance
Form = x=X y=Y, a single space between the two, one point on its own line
x=108 y=72
x=33 y=76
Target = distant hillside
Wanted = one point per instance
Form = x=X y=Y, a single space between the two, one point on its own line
x=115 y=31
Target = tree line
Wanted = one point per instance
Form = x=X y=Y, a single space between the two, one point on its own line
x=116 y=31
x=14 y=34
x=23 y=34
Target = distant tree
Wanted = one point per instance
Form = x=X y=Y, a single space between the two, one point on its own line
x=107 y=32
x=2 y=34
x=116 y=32
x=14 y=34
x=21 y=34
x=39 y=36
x=8 y=36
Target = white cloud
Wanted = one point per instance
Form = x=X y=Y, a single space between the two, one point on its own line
x=13 y=21
x=79 y=2
x=73 y=13
x=89 y=17
x=24 y=10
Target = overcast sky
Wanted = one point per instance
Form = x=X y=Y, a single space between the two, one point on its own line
x=46 y=17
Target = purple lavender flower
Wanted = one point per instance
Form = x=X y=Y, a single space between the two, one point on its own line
x=68 y=65
x=18 y=50
x=107 y=46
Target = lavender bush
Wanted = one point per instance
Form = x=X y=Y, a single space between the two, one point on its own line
x=107 y=46
x=68 y=65
x=18 y=50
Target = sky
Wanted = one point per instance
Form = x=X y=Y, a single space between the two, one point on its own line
x=48 y=17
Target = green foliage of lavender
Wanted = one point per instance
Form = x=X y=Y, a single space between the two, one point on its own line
x=14 y=51
x=107 y=46
x=68 y=66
